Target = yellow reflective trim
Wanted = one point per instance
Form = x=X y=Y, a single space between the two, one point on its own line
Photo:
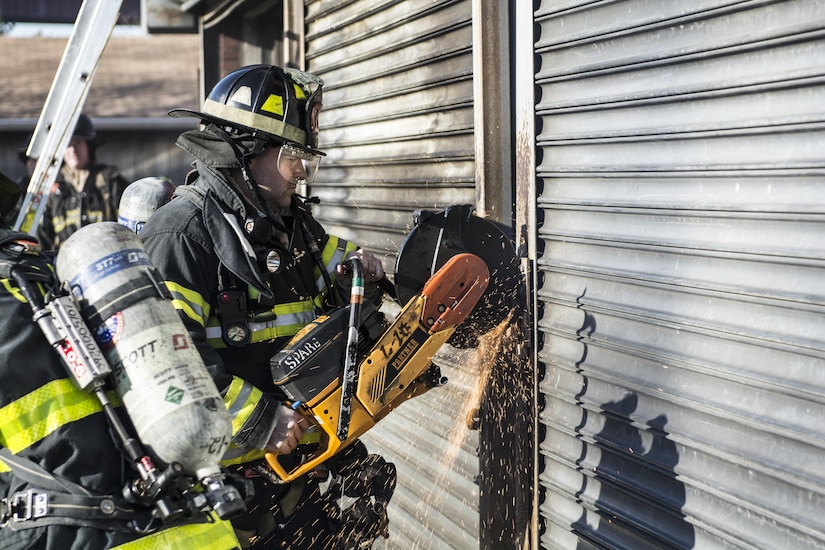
x=73 y=215
x=214 y=335
x=274 y=104
x=240 y=400
x=335 y=250
x=189 y=302
x=13 y=290
x=215 y=535
x=255 y=120
x=289 y=319
x=29 y=419
x=234 y=455
x=334 y=253
x=4 y=467
x=292 y=307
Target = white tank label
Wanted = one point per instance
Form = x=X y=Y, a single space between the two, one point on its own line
x=159 y=372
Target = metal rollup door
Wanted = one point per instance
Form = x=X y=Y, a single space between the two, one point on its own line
x=681 y=321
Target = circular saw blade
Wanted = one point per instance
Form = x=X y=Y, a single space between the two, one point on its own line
x=437 y=237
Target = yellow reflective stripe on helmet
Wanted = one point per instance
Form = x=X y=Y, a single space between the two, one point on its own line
x=254 y=120
x=29 y=419
x=241 y=399
x=216 y=534
x=189 y=302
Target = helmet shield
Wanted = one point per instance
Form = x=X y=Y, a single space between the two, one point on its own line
x=266 y=101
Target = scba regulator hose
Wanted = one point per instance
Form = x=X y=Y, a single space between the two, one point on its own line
x=159 y=375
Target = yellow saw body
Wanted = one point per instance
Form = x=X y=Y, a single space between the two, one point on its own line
x=393 y=361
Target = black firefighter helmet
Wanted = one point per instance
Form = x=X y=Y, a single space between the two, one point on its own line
x=269 y=102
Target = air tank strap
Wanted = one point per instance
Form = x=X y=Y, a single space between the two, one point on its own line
x=53 y=500
x=125 y=295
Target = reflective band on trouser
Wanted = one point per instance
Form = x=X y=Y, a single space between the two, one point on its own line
x=201 y=536
x=283 y=325
x=34 y=416
x=189 y=302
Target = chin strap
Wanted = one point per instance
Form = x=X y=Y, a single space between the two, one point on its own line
x=243 y=161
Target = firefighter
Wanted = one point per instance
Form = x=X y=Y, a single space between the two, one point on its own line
x=248 y=266
x=85 y=190
x=140 y=200
x=61 y=474
x=29 y=164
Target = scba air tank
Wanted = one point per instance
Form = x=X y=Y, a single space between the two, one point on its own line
x=170 y=397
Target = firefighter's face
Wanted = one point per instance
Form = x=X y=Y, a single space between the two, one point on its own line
x=77 y=153
x=276 y=176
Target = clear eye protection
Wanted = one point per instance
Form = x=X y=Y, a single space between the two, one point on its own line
x=298 y=165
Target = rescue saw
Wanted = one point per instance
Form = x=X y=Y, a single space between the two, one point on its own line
x=456 y=278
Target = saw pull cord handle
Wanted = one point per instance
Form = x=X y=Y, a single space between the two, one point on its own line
x=356 y=298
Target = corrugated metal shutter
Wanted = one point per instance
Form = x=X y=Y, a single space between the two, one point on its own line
x=398 y=113
x=682 y=154
x=397 y=126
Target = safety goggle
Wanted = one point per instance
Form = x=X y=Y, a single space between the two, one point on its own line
x=298 y=165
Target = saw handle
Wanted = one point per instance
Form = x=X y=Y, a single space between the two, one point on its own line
x=327 y=447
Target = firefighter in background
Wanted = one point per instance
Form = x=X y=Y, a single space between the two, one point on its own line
x=248 y=266
x=141 y=199
x=85 y=190
x=29 y=164
x=61 y=475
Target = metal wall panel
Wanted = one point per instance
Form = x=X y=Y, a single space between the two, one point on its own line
x=681 y=158
x=398 y=128
x=398 y=113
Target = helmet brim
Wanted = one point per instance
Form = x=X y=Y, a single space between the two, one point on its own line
x=208 y=118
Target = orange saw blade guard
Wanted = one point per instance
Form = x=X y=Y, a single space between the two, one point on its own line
x=453 y=292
